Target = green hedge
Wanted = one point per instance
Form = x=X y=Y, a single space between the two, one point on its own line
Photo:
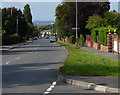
x=71 y=39
x=94 y=35
x=102 y=36
x=11 y=39
x=102 y=33
x=81 y=40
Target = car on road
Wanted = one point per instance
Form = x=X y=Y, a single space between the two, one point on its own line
x=53 y=39
x=46 y=37
x=35 y=38
x=39 y=37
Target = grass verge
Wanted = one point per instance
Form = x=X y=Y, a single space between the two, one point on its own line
x=81 y=62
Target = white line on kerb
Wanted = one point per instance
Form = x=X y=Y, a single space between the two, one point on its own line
x=50 y=88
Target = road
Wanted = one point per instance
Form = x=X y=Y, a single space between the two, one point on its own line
x=33 y=68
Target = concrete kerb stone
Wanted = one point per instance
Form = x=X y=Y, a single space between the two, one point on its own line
x=17 y=45
x=87 y=85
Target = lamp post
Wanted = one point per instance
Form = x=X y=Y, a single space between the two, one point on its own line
x=76 y=27
x=17 y=26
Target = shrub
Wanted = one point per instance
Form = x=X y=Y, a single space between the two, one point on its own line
x=71 y=39
x=94 y=35
x=81 y=40
x=102 y=33
x=12 y=39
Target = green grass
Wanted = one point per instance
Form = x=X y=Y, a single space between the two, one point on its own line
x=81 y=62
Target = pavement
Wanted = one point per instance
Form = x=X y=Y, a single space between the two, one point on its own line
x=8 y=47
x=107 y=84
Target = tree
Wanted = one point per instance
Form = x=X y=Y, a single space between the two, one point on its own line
x=86 y=9
x=96 y=21
x=27 y=13
x=66 y=16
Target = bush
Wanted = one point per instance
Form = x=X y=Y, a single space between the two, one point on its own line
x=81 y=40
x=94 y=35
x=71 y=39
x=103 y=36
x=12 y=39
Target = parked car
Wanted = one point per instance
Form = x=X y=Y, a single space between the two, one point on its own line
x=35 y=38
x=53 y=39
x=39 y=37
x=46 y=37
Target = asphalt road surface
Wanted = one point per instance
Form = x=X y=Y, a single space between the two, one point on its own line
x=33 y=68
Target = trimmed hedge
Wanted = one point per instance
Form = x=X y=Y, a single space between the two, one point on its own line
x=94 y=35
x=102 y=33
x=81 y=40
x=11 y=39
x=102 y=36
x=71 y=39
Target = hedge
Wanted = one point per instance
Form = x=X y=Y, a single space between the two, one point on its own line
x=94 y=35
x=102 y=33
x=11 y=39
x=81 y=40
x=71 y=39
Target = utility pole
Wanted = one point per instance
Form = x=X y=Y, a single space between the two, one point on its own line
x=76 y=27
x=17 y=26
x=11 y=11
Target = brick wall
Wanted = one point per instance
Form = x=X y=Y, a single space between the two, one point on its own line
x=103 y=48
x=89 y=42
x=95 y=45
x=113 y=43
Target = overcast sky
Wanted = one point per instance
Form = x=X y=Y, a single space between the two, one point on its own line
x=43 y=11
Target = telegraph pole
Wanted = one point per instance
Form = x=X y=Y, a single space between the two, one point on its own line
x=17 y=26
x=76 y=27
x=11 y=11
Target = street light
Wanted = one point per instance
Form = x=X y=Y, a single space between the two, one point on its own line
x=76 y=36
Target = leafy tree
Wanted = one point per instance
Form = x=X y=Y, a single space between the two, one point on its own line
x=27 y=13
x=96 y=21
x=66 y=16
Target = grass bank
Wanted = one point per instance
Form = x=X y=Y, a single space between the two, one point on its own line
x=81 y=62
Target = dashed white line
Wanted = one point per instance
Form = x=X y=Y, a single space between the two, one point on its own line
x=18 y=58
x=7 y=62
x=50 y=88
x=54 y=83
x=13 y=60
x=46 y=92
x=35 y=48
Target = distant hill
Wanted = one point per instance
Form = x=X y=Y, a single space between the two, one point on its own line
x=42 y=22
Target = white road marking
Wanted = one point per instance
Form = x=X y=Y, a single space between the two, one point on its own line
x=7 y=62
x=50 y=88
x=54 y=83
x=46 y=92
x=35 y=48
x=18 y=58
x=13 y=60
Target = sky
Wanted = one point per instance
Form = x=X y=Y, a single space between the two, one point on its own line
x=43 y=11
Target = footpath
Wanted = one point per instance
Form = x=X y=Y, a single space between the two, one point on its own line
x=107 y=84
x=9 y=47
